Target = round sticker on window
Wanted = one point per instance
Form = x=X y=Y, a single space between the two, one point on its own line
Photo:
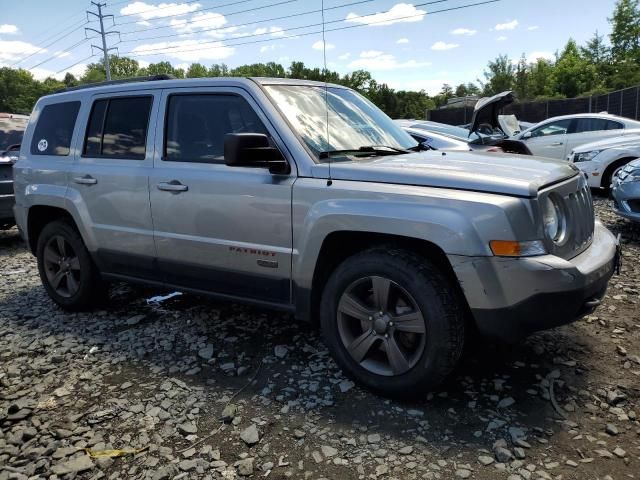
x=42 y=145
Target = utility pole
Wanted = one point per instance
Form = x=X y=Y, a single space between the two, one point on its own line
x=103 y=34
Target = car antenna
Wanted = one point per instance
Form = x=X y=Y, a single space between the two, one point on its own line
x=326 y=94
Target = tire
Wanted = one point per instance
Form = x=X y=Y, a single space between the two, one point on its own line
x=67 y=272
x=421 y=298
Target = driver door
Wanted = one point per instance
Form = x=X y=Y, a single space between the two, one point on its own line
x=219 y=229
x=550 y=140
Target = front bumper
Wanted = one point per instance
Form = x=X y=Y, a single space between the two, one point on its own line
x=626 y=196
x=511 y=298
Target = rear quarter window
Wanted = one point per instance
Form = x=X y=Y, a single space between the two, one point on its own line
x=53 y=132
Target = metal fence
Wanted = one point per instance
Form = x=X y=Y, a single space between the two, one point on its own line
x=625 y=103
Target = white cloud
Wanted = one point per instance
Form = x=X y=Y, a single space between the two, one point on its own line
x=533 y=27
x=213 y=51
x=267 y=48
x=148 y=11
x=318 y=45
x=464 y=31
x=213 y=22
x=6 y=28
x=260 y=31
x=43 y=73
x=441 y=46
x=401 y=12
x=507 y=26
x=402 y=40
x=376 y=60
x=534 y=56
x=62 y=54
x=15 y=49
x=276 y=31
x=344 y=56
x=501 y=38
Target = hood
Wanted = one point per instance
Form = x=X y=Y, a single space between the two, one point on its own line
x=517 y=175
x=509 y=124
x=631 y=137
x=488 y=109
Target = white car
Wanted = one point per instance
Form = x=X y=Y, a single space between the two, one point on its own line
x=558 y=136
x=600 y=160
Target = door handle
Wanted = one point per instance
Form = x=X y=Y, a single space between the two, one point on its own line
x=557 y=144
x=172 y=186
x=86 y=180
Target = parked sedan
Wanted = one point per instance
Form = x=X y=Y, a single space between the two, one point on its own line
x=438 y=141
x=599 y=160
x=558 y=136
x=626 y=191
x=11 y=130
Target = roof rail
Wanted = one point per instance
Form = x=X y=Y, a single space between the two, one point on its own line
x=150 y=78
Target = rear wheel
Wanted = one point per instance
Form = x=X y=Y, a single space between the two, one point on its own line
x=66 y=269
x=393 y=321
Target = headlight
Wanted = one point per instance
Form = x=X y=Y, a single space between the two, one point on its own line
x=632 y=176
x=586 y=156
x=553 y=219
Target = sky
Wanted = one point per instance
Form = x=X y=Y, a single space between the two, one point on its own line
x=410 y=46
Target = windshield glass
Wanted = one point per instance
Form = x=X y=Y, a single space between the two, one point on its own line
x=11 y=131
x=354 y=122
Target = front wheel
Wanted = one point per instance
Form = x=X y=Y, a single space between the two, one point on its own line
x=66 y=269
x=393 y=321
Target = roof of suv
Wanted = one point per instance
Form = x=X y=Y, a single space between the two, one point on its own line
x=166 y=81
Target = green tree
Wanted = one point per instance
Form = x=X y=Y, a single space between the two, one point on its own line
x=625 y=34
x=541 y=78
x=500 y=75
x=521 y=79
x=197 y=70
x=573 y=73
x=18 y=90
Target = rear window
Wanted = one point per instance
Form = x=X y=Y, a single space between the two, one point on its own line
x=118 y=128
x=54 y=129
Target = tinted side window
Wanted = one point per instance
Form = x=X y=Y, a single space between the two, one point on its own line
x=54 y=130
x=590 y=125
x=118 y=128
x=611 y=125
x=555 y=128
x=196 y=126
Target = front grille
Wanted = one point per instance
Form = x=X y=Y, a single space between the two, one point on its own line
x=579 y=212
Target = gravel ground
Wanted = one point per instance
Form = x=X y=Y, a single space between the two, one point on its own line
x=217 y=390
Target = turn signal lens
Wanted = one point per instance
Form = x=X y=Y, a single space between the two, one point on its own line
x=509 y=248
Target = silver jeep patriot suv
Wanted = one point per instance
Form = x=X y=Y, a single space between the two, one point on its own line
x=305 y=197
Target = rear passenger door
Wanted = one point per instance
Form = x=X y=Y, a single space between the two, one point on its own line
x=219 y=229
x=587 y=130
x=109 y=184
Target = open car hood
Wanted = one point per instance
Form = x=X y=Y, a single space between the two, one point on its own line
x=487 y=111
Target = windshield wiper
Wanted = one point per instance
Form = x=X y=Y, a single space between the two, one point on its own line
x=372 y=150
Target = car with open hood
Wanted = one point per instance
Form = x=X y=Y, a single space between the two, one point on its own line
x=306 y=198
x=600 y=160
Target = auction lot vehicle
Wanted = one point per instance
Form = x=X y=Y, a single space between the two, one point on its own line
x=305 y=197
x=11 y=129
x=558 y=136
x=600 y=160
x=625 y=191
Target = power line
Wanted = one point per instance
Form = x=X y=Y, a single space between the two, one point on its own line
x=255 y=22
x=77 y=63
x=68 y=49
x=43 y=47
x=169 y=51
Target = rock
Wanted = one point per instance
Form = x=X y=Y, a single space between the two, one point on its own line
x=75 y=465
x=299 y=434
x=503 y=455
x=571 y=463
x=611 y=429
x=408 y=450
x=61 y=392
x=328 y=451
x=506 y=402
x=187 y=465
x=346 y=385
x=280 y=351
x=245 y=467
x=229 y=412
x=373 y=438
x=187 y=428
x=485 y=460
x=619 y=452
x=207 y=352
x=381 y=470
x=250 y=435
x=135 y=320
x=519 y=453
x=462 y=473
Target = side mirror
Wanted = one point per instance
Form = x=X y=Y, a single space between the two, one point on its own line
x=253 y=150
x=526 y=135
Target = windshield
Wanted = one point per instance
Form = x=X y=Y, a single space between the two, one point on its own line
x=11 y=131
x=354 y=122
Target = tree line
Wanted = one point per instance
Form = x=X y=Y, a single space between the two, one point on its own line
x=599 y=66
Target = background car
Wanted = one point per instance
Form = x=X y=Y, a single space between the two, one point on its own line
x=438 y=141
x=626 y=191
x=599 y=160
x=12 y=128
x=556 y=137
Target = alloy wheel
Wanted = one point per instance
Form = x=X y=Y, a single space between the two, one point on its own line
x=381 y=326
x=62 y=266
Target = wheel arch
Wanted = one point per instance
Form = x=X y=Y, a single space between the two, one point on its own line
x=607 y=175
x=39 y=216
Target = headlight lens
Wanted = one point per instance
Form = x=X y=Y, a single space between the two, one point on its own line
x=586 y=156
x=553 y=218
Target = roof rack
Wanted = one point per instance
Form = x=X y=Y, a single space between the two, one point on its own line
x=150 y=78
